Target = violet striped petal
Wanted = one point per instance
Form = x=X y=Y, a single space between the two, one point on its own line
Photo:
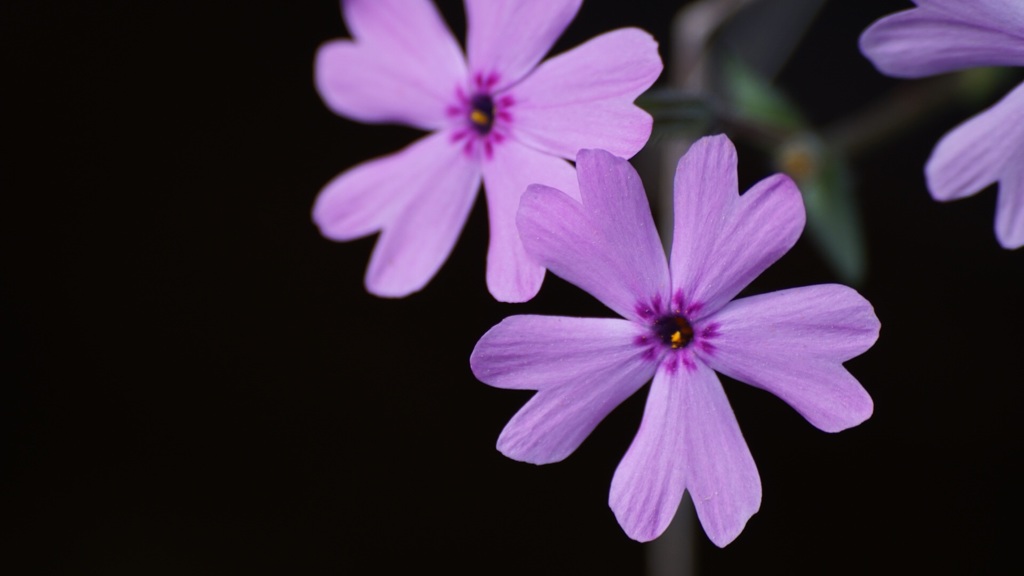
x=512 y=276
x=792 y=343
x=1009 y=11
x=942 y=36
x=977 y=152
x=403 y=66
x=607 y=245
x=722 y=240
x=1006 y=15
x=688 y=439
x=415 y=242
x=1010 y=207
x=720 y=471
x=509 y=37
x=584 y=97
x=582 y=367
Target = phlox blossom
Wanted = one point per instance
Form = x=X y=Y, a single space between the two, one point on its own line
x=496 y=115
x=944 y=35
x=680 y=325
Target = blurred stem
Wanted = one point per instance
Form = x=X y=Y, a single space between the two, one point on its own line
x=901 y=110
x=907 y=106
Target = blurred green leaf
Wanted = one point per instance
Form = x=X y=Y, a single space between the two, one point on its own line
x=833 y=215
x=975 y=86
x=755 y=100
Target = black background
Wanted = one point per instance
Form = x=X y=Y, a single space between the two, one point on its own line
x=195 y=382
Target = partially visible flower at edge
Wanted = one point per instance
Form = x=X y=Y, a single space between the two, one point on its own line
x=495 y=115
x=946 y=35
x=681 y=324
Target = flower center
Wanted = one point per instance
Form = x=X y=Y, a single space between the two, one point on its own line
x=481 y=113
x=674 y=331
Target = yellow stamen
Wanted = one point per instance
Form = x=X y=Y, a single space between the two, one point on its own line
x=479 y=118
x=677 y=339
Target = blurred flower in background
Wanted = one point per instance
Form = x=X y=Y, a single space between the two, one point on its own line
x=495 y=115
x=944 y=35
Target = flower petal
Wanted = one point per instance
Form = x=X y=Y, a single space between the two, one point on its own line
x=440 y=183
x=650 y=480
x=688 y=439
x=977 y=152
x=792 y=343
x=584 y=97
x=607 y=245
x=362 y=199
x=1006 y=15
x=512 y=276
x=509 y=37
x=582 y=367
x=1010 y=207
x=722 y=240
x=404 y=65
x=944 y=36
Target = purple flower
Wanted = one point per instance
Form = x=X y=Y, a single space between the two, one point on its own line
x=500 y=117
x=681 y=325
x=944 y=35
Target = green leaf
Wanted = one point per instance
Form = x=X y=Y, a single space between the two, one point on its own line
x=755 y=100
x=834 y=223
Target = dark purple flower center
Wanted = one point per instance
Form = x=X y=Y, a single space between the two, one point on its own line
x=481 y=113
x=675 y=331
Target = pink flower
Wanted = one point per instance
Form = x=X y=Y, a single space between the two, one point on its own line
x=944 y=35
x=681 y=324
x=496 y=116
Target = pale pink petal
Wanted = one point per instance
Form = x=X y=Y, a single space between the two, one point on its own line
x=584 y=97
x=403 y=66
x=792 y=343
x=688 y=439
x=946 y=35
x=512 y=276
x=1010 y=206
x=582 y=367
x=417 y=239
x=977 y=152
x=607 y=245
x=362 y=199
x=509 y=37
x=722 y=240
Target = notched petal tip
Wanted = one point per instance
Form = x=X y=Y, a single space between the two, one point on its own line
x=727 y=535
x=781 y=185
x=582 y=369
x=723 y=239
x=793 y=342
x=597 y=159
x=400 y=67
x=585 y=97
